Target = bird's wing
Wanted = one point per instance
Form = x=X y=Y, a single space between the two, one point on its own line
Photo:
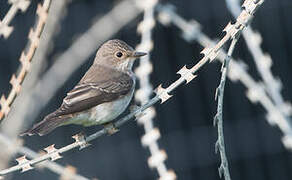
x=102 y=85
x=99 y=85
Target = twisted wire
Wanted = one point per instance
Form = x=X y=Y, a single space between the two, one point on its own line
x=238 y=70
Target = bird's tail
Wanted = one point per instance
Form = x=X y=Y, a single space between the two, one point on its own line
x=45 y=126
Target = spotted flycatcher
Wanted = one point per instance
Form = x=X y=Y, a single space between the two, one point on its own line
x=102 y=94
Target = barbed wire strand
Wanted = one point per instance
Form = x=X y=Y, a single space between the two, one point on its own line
x=143 y=72
x=17 y=147
x=237 y=72
x=162 y=94
x=263 y=62
x=80 y=50
x=15 y=118
x=218 y=119
x=25 y=58
x=5 y=29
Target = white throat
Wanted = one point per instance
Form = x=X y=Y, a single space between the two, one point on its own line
x=126 y=65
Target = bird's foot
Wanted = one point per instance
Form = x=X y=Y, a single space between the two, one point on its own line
x=134 y=108
x=80 y=138
x=111 y=129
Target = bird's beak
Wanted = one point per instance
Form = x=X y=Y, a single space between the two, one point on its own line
x=137 y=54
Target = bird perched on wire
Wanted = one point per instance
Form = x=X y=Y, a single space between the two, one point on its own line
x=102 y=94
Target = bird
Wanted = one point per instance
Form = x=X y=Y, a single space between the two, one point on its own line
x=102 y=94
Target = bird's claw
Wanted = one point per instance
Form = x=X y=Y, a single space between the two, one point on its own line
x=111 y=129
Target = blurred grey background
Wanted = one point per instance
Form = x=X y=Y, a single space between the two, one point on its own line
x=254 y=148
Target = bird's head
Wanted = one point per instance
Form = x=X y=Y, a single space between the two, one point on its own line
x=117 y=54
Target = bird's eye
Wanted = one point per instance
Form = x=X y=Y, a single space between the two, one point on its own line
x=119 y=54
